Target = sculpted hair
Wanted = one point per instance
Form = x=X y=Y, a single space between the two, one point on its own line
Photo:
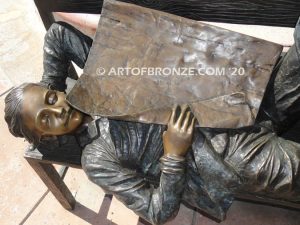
x=13 y=117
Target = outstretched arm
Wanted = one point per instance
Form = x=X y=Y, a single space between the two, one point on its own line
x=63 y=44
x=157 y=205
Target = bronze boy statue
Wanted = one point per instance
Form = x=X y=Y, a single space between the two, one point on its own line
x=151 y=168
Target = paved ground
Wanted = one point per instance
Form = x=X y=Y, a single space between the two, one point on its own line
x=23 y=197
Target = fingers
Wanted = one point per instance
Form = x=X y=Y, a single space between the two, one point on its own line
x=181 y=116
x=183 y=122
x=191 y=127
x=186 y=122
x=172 y=118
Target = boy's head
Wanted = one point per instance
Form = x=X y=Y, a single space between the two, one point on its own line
x=33 y=111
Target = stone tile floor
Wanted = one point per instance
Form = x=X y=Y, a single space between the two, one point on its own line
x=23 y=197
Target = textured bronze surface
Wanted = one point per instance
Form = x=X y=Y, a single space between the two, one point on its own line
x=130 y=36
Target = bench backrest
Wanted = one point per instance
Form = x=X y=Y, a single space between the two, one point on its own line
x=257 y=12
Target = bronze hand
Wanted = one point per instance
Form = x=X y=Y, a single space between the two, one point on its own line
x=178 y=137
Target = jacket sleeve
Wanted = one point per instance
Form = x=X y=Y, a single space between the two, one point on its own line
x=63 y=44
x=156 y=205
x=286 y=85
x=267 y=163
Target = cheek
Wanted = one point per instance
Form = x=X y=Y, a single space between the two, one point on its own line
x=60 y=101
x=61 y=95
x=76 y=120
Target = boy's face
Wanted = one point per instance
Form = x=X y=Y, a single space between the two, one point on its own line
x=46 y=112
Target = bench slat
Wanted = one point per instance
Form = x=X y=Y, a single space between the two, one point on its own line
x=258 y=12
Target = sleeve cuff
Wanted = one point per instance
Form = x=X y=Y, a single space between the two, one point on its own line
x=172 y=164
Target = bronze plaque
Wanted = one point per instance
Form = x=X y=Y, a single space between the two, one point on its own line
x=144 y=61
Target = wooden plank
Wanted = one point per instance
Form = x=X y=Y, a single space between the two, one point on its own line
x=272 y=12
x=54 y=182
x=36 y=155
x=45 y=14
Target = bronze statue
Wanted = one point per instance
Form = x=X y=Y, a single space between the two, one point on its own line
x=152 y=168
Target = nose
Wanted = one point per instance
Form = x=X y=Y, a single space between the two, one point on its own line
x=60 y=110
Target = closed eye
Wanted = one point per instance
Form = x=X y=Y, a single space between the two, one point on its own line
x=51 y=97
x=45 y=120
